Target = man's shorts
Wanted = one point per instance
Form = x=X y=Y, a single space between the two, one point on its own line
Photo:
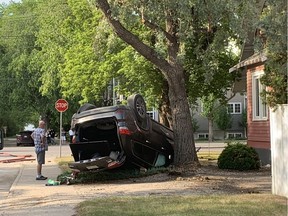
x=41 y=157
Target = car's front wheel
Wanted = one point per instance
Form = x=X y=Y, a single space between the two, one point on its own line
x=137 y=103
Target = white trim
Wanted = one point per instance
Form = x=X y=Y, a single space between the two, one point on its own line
x=234 y=135
x=206 y=135
x=154 y=114
x=234 y=107
x=259 y=109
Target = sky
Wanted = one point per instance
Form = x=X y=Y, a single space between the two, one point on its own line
x=8 y=1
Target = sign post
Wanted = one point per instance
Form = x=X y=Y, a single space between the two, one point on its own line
x=61 y=105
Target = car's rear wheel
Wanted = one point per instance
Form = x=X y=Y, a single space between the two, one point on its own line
x=137 y=103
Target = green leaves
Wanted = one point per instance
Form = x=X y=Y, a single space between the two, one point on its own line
x=64 y=48
x=223 y=119
x=272 y=39
x=238 y=156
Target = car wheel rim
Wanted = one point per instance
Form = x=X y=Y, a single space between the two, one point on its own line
x=140 y=107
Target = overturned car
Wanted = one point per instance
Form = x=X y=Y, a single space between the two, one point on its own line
x=109 y=137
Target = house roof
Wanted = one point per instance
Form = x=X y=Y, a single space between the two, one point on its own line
x=247 y=56
x=240 y=85
x=256 y=58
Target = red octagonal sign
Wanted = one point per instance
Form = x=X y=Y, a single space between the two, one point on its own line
x=61 y=105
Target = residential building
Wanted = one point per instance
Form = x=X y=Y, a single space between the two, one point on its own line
x=252 y=68
x=258 y=123
x=236 y=107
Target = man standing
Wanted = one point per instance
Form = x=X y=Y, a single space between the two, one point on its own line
x=40 y=141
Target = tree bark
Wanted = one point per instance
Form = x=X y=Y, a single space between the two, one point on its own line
x=185 y=151
x=164 y=107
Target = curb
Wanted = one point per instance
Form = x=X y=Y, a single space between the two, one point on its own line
x=16 y=181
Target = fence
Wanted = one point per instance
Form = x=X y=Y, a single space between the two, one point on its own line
x=279 y=150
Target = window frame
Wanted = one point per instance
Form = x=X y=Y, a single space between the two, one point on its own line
x=206 y=135
x=234 y=135
x=259 y=108
x=234 y=108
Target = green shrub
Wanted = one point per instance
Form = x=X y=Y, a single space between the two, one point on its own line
x=238 y=156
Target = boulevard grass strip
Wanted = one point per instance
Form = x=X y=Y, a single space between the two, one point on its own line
x=63 y=163
x=206 y=155
x=91 y=177
x=220 y=205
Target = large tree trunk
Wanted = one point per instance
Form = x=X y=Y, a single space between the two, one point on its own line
x=172 y=71
x=185 y=151
x=164 y=107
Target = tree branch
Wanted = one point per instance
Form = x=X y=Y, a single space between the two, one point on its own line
x=133 y=40
x=153 y=26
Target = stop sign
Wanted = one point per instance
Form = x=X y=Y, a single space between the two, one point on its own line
x=61 y=105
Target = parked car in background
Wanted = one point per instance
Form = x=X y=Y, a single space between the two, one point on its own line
x=24 y=138
x=108 y=137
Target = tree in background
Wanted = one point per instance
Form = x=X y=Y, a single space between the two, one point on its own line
x=223 y=119
x=209 y=106
x=243 y=122
x=23 y=66
x=19 y=85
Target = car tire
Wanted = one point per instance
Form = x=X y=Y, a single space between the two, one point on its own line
x=137 y=103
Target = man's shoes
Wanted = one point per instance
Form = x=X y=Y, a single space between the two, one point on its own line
x=41 y=178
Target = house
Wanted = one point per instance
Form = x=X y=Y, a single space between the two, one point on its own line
x=236 y=106
x=267 y=129
x=251 y=67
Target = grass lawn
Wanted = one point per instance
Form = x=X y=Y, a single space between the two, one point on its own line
x=206 y=155
x=210 y=205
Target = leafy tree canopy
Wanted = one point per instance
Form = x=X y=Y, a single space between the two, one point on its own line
x=272 y=39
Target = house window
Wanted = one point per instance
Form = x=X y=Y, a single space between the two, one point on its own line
x=203 y=136
x=234 y=135
x=258 y=106
x=234 y=108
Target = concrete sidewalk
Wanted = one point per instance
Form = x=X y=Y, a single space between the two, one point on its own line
x=28 y=196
